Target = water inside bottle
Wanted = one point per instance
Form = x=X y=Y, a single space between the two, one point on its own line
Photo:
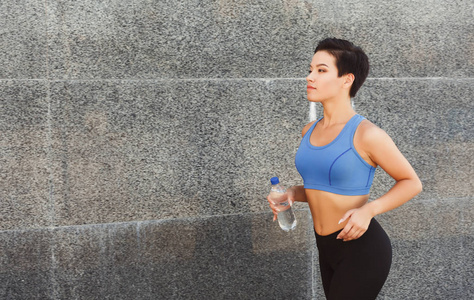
x=286 y=217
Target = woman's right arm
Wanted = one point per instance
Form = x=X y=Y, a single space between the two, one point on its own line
x=298 y=193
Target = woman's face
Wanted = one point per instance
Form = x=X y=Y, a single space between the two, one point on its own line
x=323 y=83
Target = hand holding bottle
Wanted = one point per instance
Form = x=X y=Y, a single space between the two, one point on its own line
x=280 y=201
x=275 y=199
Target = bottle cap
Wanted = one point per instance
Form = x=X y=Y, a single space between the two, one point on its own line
x=275 y=180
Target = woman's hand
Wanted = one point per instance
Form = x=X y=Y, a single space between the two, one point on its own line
x=275 y=198
x=358 y=222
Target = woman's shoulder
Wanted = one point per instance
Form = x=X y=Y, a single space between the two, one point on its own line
x=369 y=133
x=307 y=127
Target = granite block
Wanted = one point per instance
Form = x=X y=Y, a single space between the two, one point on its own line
x=24 y=105
x=25 y=264
x=133 y=150
x=267 y=237
x=427 y=111
x=184 y=259
x=178 y=39
x=25 y=199
x=23 y=40
x=228 y=266
x=253 y=39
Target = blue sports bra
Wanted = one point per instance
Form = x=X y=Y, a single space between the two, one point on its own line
x=335 y=167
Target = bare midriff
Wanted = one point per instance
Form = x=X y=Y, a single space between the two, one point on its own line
x=328 y=208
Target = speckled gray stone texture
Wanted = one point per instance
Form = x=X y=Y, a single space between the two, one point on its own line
x=431 y=121
x=25 y=198
x=423 y=38
x=248 y=38
x=229 y=257
x=26 y=262
x=179 y=39
x=431 y=268
x=23 y=39
x=239 y=256
x=136 y=150
x=432 y=253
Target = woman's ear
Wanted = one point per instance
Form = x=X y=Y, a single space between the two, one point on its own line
x=348 y=79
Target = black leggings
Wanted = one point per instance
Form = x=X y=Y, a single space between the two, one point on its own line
x=354 y=269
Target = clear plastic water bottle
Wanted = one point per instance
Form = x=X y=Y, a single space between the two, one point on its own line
x=286 y=216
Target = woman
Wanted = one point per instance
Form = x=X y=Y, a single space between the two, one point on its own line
x=337 y=158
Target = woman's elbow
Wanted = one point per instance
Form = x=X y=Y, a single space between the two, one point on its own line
x=418 y=186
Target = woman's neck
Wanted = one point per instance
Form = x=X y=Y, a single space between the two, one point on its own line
x=337 y=112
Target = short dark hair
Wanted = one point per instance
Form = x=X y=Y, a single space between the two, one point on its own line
x=349 y=59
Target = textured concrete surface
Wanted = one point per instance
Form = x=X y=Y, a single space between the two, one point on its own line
x=137 y=140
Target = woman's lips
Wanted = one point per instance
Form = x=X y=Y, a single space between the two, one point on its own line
x=310 y=87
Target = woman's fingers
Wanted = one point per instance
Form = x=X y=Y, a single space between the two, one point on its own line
x=273 y=207
x=352 y=234
x=348 y=232
x=344 y=232
x=275 y=212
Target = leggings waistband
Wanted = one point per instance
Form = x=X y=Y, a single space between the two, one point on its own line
x=332 y=237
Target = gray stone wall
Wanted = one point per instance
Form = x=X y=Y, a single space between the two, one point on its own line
x=138 y=139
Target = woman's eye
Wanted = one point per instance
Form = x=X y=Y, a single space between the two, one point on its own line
x=321 y=70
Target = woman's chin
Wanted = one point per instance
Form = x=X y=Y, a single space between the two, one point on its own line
x=312 y=99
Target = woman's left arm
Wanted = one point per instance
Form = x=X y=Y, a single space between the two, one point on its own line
x=382 y=150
